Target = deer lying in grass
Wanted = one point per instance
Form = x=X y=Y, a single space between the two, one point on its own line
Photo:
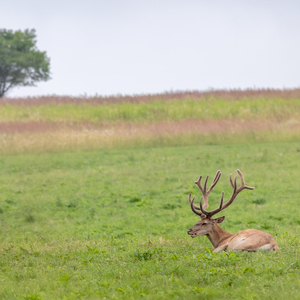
x=246 y=240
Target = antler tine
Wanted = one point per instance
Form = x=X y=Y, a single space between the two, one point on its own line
x=232 y=184
x=198 y=182
x=243 y=181
x=199 y=213
x=241 y=176
x=205 y=183
x=215 y=181
x=236 y=190
x=195 y=206
x=204 y=190
x=192 y=201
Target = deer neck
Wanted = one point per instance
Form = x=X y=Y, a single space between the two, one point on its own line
x=218 y=235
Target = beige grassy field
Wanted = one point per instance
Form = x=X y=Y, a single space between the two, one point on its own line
x=55 y=123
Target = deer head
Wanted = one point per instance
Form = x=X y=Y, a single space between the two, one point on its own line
x=207 y=225
x=204 y=227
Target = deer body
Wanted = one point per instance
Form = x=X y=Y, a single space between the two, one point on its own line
x=246 y=240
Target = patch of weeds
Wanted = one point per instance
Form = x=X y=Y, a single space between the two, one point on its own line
x=79 y=294
x=71 y=205
x=65 y=277
x=88 y=260
x=146 y=255
x=29 y=218
x=135 y=200
x=32 y=297
x=120 y=290
x=92 y=250
x=25 y=251
x=259 y=201
x=277 y=218
x=1 y=211
x=9 y=201
x=123 y=234
x=266 y=226
x=249 y=270
x=170 y=206
x=126 y=196
x=251 y=222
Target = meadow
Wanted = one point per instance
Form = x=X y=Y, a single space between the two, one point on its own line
x=154 y=111
x=108 y=220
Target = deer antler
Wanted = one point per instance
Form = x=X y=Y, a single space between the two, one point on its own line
x=201 y=210
x=236 y=191
x=193 y=207
x=203 y=189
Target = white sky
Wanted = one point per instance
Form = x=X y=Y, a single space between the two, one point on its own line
x=136 y=46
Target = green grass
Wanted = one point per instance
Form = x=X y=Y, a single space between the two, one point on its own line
x=154 y=111
x=78 y=225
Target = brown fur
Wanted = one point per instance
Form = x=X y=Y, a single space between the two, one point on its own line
x=246 y=240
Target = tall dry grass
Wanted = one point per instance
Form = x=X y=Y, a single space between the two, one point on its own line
x=159 y=135
x=53 y=123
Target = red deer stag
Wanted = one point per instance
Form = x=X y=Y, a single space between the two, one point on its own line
x=246 y=240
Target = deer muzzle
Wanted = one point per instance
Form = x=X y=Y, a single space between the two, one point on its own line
x=191 y=233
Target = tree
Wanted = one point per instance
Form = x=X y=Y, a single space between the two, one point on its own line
x=21 y=64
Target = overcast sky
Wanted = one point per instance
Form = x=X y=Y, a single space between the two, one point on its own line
x=138 y=47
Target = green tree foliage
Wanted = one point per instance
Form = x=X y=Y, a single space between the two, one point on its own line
x=21 y=64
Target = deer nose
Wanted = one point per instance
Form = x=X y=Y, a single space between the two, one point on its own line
x=188 y=231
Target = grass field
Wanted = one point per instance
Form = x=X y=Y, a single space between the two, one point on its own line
x=154 y=111
x=111 y=223
x=73 y=124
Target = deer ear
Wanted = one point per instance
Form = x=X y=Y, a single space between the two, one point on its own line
x=220 y=220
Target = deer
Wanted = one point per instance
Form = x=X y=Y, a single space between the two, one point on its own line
x=246 y=240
